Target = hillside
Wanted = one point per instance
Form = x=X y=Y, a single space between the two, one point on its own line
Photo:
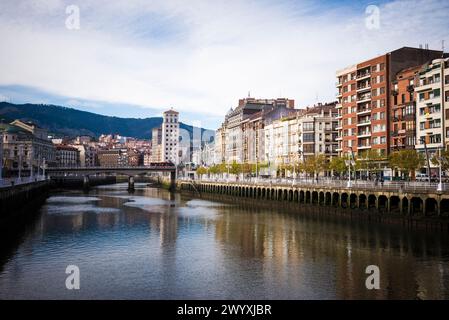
x=62 y=121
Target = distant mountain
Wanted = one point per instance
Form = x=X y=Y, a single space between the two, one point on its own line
x=63 y=121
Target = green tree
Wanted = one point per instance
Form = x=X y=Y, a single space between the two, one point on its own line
x=408 y=161
x=235 y=168
x=368 y=161
x=444 y=160
x=315 y=164
x=338 y=165
x=201 y=171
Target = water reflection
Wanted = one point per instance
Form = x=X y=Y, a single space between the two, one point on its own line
x=155 y=244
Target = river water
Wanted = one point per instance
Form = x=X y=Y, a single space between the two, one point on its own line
x=155 y=245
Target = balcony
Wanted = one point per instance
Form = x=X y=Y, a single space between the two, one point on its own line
x=364 y=123
x=364 y=146
x=338 y=138
x=362 y=111
x=364 y=134
x=339 y=94
x=364 y=98
x=338 y=84
x=364 y=88
x=363 y=75
x=338 y=106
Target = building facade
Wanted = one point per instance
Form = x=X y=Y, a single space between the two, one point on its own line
x=26 y=145
x=364 y=99
x=67 y=156
x=170 y=137
x=432 y=107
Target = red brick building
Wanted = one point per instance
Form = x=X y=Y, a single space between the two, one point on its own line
x=364 y=93
x=403 y=109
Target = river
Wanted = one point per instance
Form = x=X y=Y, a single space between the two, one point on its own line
x=153 y=244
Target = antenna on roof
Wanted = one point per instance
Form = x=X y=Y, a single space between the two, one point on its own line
x=249 y=94
x=442 y=48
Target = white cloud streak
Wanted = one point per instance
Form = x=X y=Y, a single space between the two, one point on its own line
x=201 y=56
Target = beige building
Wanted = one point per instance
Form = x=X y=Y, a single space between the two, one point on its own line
x=156 y=145
x=291 y=139
x=25 y=144
x=432 y=107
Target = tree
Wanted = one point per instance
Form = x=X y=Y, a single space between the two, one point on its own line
x=368 y=160
x=214 y=169
x=201 y=171
x=235 y=168
x=407 y=161
x=338 y=165
x=315 y=164
x=444 y=160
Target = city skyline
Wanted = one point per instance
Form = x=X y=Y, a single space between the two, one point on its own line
x=141 y=62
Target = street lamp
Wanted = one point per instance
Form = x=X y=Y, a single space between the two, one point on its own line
x=1 y=158
x=20 y=162
x=440 y=159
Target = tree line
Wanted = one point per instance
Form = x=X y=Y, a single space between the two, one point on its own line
x=404 y=161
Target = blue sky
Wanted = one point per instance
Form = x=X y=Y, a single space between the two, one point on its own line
x=138 y=58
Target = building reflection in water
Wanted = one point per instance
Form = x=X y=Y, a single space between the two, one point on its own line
x=180 y=246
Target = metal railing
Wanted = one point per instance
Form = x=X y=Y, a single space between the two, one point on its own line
x=8 y=182
x=404 y=186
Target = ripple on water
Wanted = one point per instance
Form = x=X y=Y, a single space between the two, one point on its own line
x=204 y=203
x=76 y=209
x=67 y=199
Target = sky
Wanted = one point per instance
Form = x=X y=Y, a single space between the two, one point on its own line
x=138 y=58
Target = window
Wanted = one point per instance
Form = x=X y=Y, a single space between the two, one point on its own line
x=308 y=126
x=308 y=137
x=382 y=66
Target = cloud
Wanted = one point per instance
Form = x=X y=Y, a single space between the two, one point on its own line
x=201 y=56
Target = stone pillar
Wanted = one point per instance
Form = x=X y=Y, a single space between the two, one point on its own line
x=86 y=182
x=130 y=183
x=172 y=180
x=439 y=207
x=388 y=204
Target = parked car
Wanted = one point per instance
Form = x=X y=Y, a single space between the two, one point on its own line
x=422 y=177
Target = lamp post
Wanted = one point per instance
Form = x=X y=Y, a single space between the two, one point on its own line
x=1 y=158
x=20 y=162
x=31 y=163
x=348 y=163
x=440 y=159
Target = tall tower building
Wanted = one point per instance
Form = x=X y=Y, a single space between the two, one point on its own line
x=170 y=136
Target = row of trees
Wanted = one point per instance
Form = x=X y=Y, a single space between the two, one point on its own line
x=405 y=161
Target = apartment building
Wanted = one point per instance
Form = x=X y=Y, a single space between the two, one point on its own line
x=220 y=144
x=67 y=156
x=170 y=136
x=403 y=109
x=364 y=99
x=318 y=131
x=244 y=124
x=156 y=144
x=306 y=132
x=432 y=107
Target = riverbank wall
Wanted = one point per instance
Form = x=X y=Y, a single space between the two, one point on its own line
x=18 y=204
x=413 y=208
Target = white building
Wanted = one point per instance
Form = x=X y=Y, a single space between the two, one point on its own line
x=432 y=92
x=170 y=136
x=67 y=156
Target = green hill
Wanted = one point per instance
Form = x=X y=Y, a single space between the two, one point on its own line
x=63 y=121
